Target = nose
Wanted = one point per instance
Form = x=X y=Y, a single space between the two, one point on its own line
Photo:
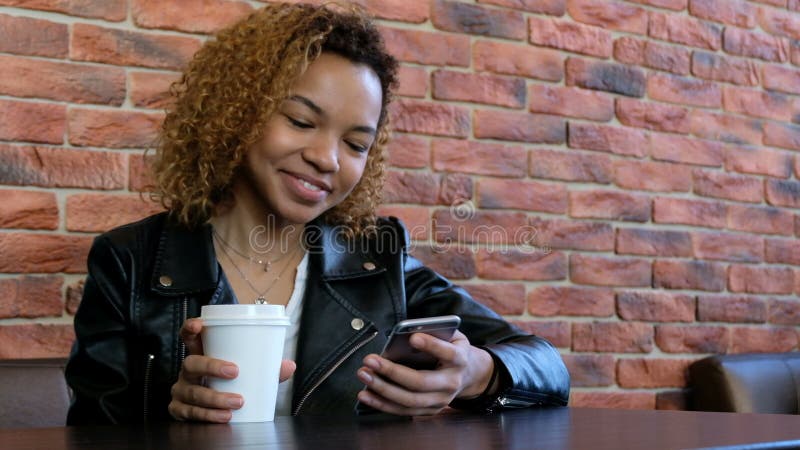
x=323 y=153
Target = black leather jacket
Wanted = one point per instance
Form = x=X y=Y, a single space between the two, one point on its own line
x=145 y=279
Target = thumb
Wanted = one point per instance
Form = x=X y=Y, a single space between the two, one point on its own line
x=287 y=369
x=190 y=334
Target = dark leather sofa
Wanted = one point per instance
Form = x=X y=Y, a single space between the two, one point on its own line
x=746 y=383
x=33 y=393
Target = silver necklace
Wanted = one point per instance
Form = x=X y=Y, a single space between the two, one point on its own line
x=266 y=263
x=261 y=298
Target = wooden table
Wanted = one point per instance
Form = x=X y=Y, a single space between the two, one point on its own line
x=556 y=428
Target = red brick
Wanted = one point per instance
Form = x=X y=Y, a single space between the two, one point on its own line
x=113 y=128
x=510 y=126
x=756 y=103
x=451 y=263
x=111 y=10
x=28 y=209
x=682 y=90
x=617 y=337
x=794 y=46
x=411 y=187
x=783 y=193
x=555 y=332
x=779 y=23
x=571 y=102
x=130 y=48
x=415 y=218
x=756 y=45
x=574 y=235
x=652 y=373
x=76 y=83
x=611 y=139
x=604 y=271
x=43 y=253
x=551 y=7
x=669 y=147
x=515 y=264
x=526 y=195
x=731 y=308
x=647 y=242
x=35 y=341
x=782 y=135
x=763 y=340
x=503 y=298
x=479 y=158
x=782 y=79
x=652 y=176
x=686 y=30
x=609 y=15
x=571 y=301
x=615 y=400
x=412 y=81
x=690 y=212
x=609 y=205
x=758 y=161
x=30 y=297
x=784 y=312
x=194 y=16
x=437 y=119
x=694 y=275
x=102 y=212
x=728 y=246
x=139 y=173
x=781 y=3
x=57 y=167
x=692 y=339
x=73 y=296
x=398 y=10
x=27 y=36
x=33 y=122
x=477 y=88
x=609 y=77
x=722 y=68
x=653 y=306
x=409 y=151
x=520 y=60
x=653 y=116
x=455 y=189
x=570 y=166
x=729 y=187
x=497 y=230
x=590 y=370
x=151 y=89
x=570 y=36
x=672 y=400
x=425 y=47
x=793 y=5
x=474 y=19
x=640 y=52
x=759 y=219
x=727 y=128
x=731 y=12
x=782 y=251
x=675 y=5
x=760 y=279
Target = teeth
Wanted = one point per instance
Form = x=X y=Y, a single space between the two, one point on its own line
x=310 y=186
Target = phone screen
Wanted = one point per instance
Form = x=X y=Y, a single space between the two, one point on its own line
x=398 y=348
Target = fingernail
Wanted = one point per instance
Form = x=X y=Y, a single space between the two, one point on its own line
x=417 y=341
x=229 y=371
x=222 y=416
x=364 y=376
x=235 y=402
x=373 y=363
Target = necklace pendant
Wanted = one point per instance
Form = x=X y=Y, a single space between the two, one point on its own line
x=261 y=300
x=267 y=266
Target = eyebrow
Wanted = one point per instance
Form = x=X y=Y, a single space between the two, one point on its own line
x=319 y=111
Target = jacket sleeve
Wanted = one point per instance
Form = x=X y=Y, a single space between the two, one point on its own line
x=532 y=371
x=98 y=369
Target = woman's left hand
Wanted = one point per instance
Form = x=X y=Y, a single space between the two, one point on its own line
x=464 y=371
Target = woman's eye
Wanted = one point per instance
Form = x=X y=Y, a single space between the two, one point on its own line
x=298 y=123
x=357 y=147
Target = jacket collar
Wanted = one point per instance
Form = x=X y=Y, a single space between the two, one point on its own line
x=186 y=262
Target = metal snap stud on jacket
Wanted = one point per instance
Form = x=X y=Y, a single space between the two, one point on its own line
x=357 y=323
x=368 y=266
x=165 y=281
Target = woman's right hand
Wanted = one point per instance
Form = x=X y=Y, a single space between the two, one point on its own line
x=191 y=400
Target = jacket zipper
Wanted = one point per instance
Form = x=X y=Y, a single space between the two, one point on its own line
x=148 y=367
x=184 y=314
x=331 y=370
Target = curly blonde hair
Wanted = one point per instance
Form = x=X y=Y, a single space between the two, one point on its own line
x=236 y=82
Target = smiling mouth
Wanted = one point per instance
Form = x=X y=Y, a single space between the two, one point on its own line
x=310 y=186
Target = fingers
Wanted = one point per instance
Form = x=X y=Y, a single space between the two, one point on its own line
x=287 y=369
x=382 y=404
x=193 y=401
x=448 y=353
x=195 y=367
x=401 y=396
x=190 y=335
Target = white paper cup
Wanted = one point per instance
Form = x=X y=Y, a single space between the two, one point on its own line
x=250 y=336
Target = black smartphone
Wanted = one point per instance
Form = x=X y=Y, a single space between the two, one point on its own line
x=398 y=348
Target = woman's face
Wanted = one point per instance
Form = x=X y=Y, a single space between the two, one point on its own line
x=314 y=147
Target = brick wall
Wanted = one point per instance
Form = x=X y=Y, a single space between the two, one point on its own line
x=643 y=158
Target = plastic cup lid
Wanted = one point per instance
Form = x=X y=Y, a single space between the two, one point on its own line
x=268 y=313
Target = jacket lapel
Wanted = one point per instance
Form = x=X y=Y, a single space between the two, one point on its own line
x=185 y=261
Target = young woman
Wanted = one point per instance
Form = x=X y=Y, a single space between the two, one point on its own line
x=270 y=167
